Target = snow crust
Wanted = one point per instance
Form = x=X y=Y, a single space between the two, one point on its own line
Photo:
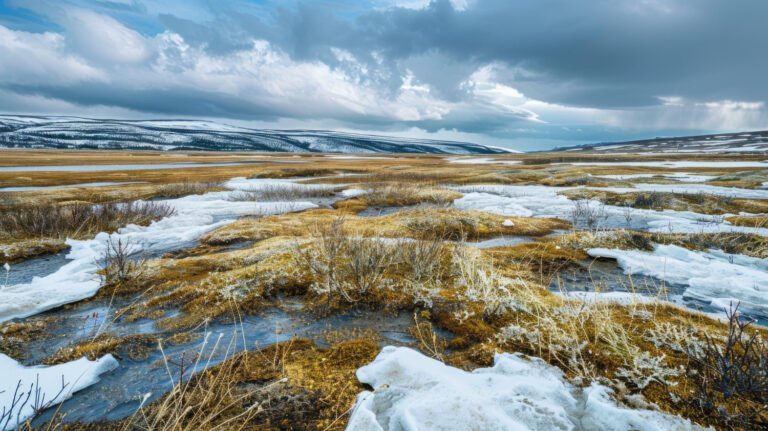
x=352 y=193
x=195 y=216
x=481 y=161
x=733 y=192
x=75 y=375
x=677 y=176
x=545 y=201
x=415 y=393
x=714 y=277
x=677 y=164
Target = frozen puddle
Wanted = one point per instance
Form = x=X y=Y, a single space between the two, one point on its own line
x=195 y=215
x=544 y=201
x=416 y=393
x=46 y=386
x=67 y=186
x=715 y=278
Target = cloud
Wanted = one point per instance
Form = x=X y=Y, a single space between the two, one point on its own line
x=497 y=69
x=102 y=39
x=31 y=58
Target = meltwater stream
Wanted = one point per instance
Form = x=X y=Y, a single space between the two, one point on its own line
x=119 y=392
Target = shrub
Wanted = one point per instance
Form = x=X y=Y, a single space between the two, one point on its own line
x=186 y=188
x=77 y=220
x=283 y=192
x=586 y=214
x=730 y=375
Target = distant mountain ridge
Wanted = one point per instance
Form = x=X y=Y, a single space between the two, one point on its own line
x=742 y=142
x=53 y=132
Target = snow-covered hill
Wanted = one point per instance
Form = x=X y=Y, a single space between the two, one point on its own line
x=742 y=142
x=85 y=133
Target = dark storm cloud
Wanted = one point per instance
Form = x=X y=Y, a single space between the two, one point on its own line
x=610 y=53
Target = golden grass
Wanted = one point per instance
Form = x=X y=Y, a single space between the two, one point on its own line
x=748 y=221
x=418 y=224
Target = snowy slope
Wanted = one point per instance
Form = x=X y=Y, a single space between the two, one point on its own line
x=742 y=142
x=72 y=132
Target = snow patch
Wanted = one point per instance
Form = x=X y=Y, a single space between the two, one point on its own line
x=352 y=193
x=481 y=161
x=714 y=277
x=415 y=393
x=74 y=376
x=676 y=164
x=545 y=201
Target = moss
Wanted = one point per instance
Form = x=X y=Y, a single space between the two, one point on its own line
x=135 y=347
x=16 y=251
x=15 y=335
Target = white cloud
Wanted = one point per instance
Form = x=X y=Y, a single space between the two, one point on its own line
x=36 y=58
x=421 y=4
x=102 y=38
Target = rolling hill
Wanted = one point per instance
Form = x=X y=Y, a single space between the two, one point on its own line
x=193 y=135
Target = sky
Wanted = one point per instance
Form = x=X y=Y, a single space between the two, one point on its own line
x=523 y=74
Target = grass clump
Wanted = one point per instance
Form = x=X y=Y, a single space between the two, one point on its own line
x=77 y=220
x=186 y=188
x=730 y=375
x=703 y=203
x=399 y=194
x=283 y=192
x=135 y=347
x=748 y=221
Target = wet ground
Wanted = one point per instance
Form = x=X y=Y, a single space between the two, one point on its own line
x=119 y=392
